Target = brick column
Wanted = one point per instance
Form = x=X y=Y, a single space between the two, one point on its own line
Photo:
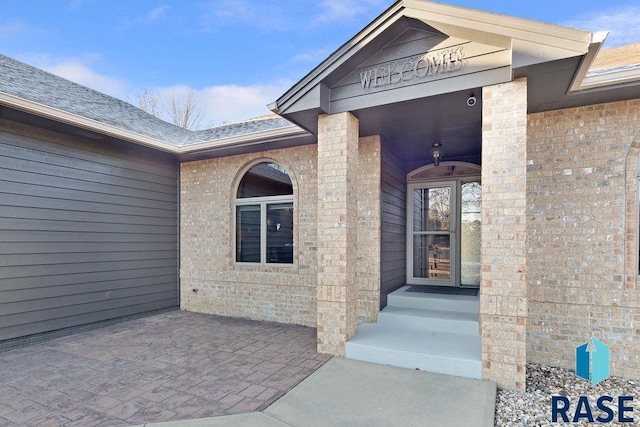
x=503 y=289
x=369 y=227
x=337 y=231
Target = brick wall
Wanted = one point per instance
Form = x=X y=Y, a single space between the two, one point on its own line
x=369 y=193
x=503 y=290
x=337 y=231
x=281 y=294
x=336 y=225
x=582 y=227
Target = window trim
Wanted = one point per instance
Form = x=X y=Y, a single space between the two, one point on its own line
x=263 y=202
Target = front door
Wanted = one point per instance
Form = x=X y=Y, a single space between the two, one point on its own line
x=433 y=233
x=443 y=232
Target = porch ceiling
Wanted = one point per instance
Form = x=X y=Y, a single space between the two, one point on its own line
x=411 y=127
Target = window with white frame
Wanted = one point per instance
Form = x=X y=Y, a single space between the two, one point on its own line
x=264 y=216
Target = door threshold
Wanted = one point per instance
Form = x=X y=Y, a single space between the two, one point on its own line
x=443 y=290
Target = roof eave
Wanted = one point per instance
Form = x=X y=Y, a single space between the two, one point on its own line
x=55 y=114
x=444 y=17
x=611 y=78
x=58 y=115
x=586 y=80
x=597 y=39
x=250 y=138
x=451 y=20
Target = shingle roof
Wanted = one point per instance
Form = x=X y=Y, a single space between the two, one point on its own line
x=36 y=85
x=621 y=56
x=258 y=124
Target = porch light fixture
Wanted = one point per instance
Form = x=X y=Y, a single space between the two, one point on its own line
x=435 y=151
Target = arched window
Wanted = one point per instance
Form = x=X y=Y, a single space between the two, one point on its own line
x=264 y=216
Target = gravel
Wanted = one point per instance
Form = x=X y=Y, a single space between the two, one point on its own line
x=533 y=407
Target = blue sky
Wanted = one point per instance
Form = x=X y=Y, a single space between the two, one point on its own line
x=235 y=55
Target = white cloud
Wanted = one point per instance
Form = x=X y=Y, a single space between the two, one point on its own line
x=621 y=22
x=232 y=102
x=74 y=4
x=79 y=70
x=226 y=103
x=331 y=11
x=234 y=9
x=311 y=57
x=286 y=15
x=11 y=27
x=219 y=104
x=339 y=11
x=262 y=15
x=81 y=73
x=156 y=15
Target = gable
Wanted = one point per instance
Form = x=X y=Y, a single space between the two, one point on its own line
x=418 y=64
x=418 y=49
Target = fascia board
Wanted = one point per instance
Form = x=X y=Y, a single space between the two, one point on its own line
x=450 y=20
x=346 y=51
x=597 y=39
x=261 y=136
x=84 y=122
x=136 y=138
x=610 y=78
x=584 y=81
x=516 y=28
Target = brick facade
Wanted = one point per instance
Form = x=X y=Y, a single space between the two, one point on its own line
x=503 y=288
x=560 y=235
x=336 y=206
x=582 y=226
x=284 y=294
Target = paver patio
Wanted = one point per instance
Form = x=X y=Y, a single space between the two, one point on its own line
x=170 y=366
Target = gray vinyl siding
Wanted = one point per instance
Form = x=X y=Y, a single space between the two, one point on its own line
x=394 y=232
x=88 y=231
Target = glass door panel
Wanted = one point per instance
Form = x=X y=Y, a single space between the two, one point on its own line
x=470 y=215
x=432 y=256
x=432 y=209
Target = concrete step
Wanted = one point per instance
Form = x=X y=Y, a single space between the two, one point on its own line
x=445 y=353
x=455 y=322
x=433 y=301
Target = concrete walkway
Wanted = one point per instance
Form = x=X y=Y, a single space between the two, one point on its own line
x=350 y=393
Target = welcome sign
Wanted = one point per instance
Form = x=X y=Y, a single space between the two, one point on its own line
x=417 y=67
